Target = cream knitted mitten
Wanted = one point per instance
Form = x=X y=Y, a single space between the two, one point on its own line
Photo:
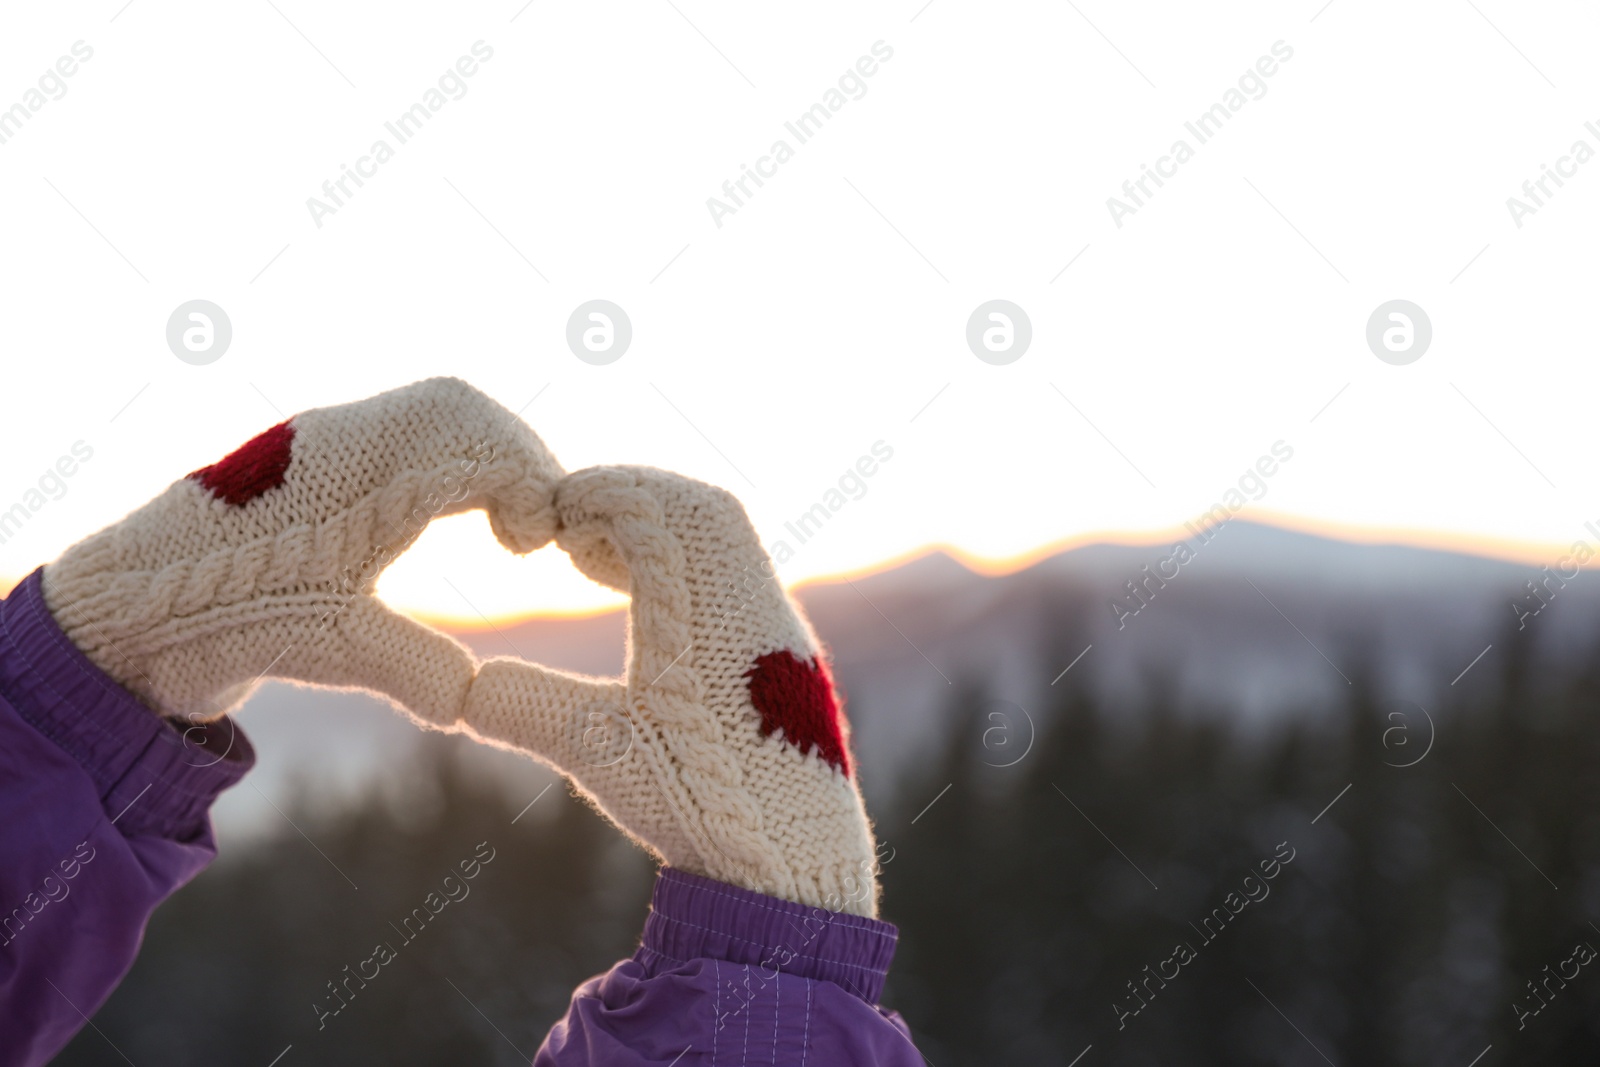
x=263 y=563
x=724 y=751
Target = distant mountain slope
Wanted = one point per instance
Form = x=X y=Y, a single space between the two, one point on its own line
x=1259 y=623
x=1259 y=619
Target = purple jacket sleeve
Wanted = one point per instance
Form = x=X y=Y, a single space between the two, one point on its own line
x=103 y=814
x=726 y=977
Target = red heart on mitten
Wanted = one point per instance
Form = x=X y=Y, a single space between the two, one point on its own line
x=254 y=468
x=797 y=697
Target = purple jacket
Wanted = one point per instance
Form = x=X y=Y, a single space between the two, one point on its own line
x=104 y=812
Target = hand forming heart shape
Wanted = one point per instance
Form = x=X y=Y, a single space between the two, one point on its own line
x=736 y=764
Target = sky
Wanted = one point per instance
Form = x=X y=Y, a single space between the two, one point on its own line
x=1179 y=333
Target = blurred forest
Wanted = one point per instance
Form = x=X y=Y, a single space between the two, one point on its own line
x=1064 y=858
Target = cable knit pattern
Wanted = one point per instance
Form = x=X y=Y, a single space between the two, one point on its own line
x=723 y=750
x=222 y=580
x=676 y=753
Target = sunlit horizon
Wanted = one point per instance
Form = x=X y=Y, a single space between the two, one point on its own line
x=414 y=587
x=1531 y=554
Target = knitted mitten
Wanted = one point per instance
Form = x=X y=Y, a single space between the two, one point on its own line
x=724 y=750
x=263 y=563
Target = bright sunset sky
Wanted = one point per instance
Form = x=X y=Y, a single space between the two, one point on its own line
x=829 y=312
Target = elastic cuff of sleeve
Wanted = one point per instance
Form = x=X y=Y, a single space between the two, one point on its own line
x=154 y=776
x=696 y=918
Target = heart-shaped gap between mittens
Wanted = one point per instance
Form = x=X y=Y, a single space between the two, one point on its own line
x=539 y=607
x=795 y=698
